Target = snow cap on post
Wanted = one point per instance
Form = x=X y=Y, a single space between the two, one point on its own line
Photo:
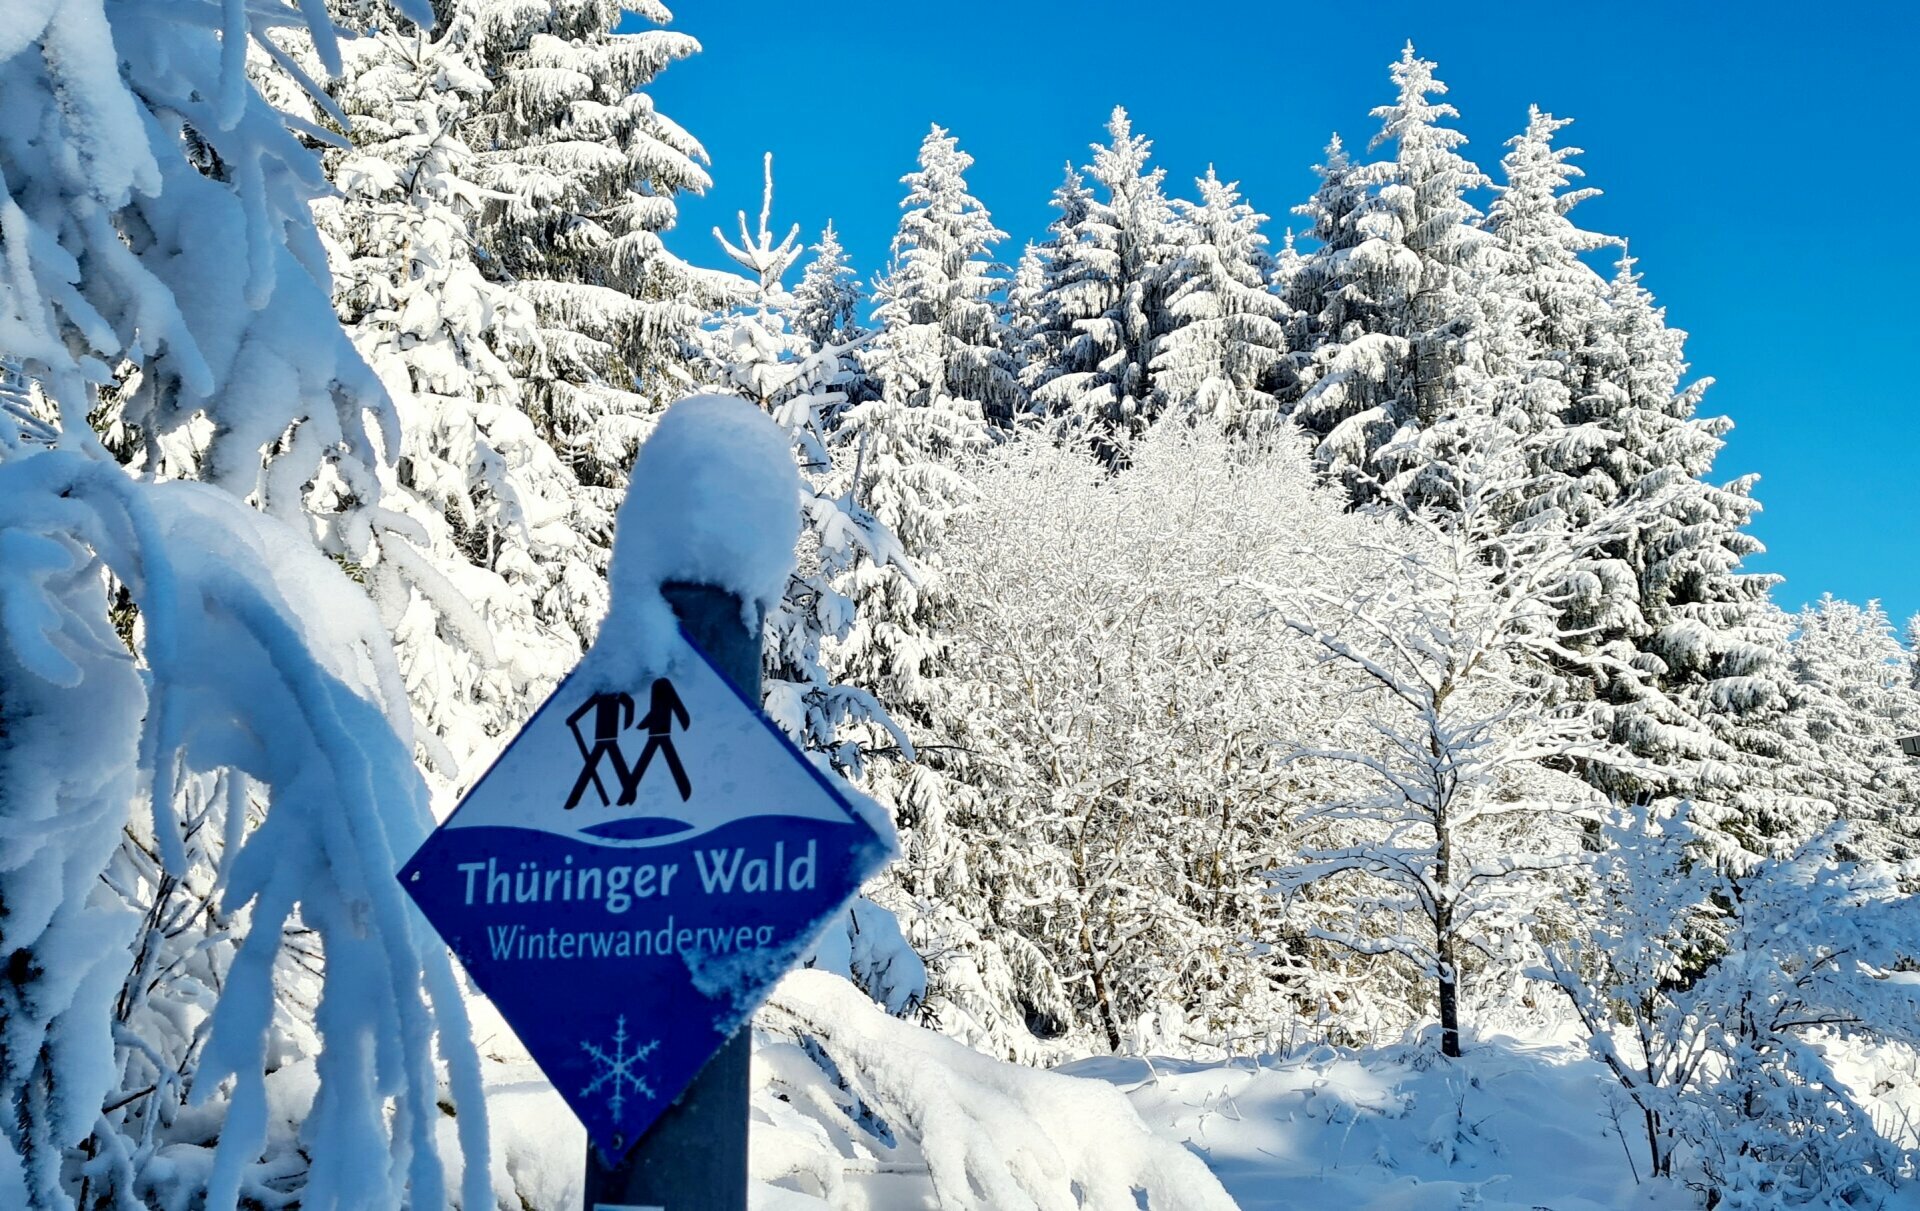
x=714 y=500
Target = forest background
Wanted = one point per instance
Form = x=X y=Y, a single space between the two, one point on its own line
x=1690 y=114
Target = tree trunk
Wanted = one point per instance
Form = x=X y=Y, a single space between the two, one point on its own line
x=1444 y=948
x=1449 y=999
x=1102 y=998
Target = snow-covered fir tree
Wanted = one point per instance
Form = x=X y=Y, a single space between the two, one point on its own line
x=759 y=350
x=1051 y=281
x=1715 y=644
x=207 y=767
x=1104 y=303
x=1392 y=293
x=1224 y=354
x=1852 y=701
x=940 y=341
x=938 y=367
x=827 y=300
x=1542 y=309
x=512 y=585
x=1021 y=309
x=1543 y=345
x=581 y=170
x=1308 y=282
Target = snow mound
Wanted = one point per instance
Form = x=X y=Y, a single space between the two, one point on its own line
x=714 y=500
x=914 y=1114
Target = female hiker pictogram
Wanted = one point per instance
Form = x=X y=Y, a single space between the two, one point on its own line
x=661 y=712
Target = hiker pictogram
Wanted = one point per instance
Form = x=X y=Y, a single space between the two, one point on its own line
x=661 y=713
x=612 y=714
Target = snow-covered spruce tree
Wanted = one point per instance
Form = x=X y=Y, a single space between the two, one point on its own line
x=1021 y=311
x=192 y=698
x=1536 y=263
x=493 y=502
x=937 y=364
x=939 y=334
x=1106 y=297
x=758 y=350
x=1715 y=644
x=581 y=172
x=1224 y=354
x=1050 y=283
x=1308 y=282
x=828 y=297
x=1393 y=296
x=1456 y=845
x=1851 y=702
x=1542 y=309
x=1913 y=651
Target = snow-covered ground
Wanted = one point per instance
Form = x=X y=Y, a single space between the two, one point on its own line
x=1513 y=1124
x=1518 y=1124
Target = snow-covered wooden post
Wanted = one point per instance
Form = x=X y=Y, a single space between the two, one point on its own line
x=696 y=1155
x=707 y=531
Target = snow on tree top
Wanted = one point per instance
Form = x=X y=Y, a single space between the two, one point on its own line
x=714 y=500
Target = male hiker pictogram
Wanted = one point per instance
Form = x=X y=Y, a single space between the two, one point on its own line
x=661 y=712
x=608 y=711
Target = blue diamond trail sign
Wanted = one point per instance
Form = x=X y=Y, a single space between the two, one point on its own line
x=633 y=875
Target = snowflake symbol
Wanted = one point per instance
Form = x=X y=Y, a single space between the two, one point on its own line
x=615 y=1069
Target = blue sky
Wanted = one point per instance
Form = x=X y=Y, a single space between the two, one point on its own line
x=1760 y=158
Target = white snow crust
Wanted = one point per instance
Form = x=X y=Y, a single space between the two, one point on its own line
x=714 y=500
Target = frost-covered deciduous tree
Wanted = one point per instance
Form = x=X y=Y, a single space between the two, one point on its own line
x=1455 y=843
x=1224 y=354
x=1650 y=924
x=1106 y=298
x=1812 y=952
x=1716 y=996
x=207 y=771
x=1113 y=874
